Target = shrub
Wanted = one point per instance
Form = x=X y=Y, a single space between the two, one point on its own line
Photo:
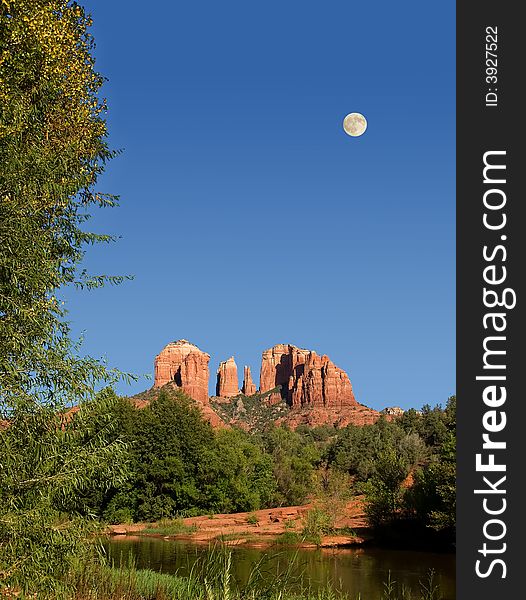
x=317 y=522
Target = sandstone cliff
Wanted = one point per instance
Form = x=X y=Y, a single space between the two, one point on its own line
x=184 y=364
x=306 y=379
x=312 y=389
x=227 y=381
x=249 y=387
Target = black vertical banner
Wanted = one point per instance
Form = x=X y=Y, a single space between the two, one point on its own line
x=491 y=269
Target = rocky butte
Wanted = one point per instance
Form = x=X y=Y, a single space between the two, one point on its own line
x=185 y=365
x=305 y=378
x=315 y=390
x=227 y=381
x=249 y=387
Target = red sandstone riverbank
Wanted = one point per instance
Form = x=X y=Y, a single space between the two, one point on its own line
x=259 y=528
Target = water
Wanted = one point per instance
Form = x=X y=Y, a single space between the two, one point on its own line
x=361 y=570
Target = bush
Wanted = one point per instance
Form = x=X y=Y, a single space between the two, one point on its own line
x=316 y=523
x=384 y=491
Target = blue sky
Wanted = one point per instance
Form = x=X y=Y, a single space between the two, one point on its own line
x=249 y=218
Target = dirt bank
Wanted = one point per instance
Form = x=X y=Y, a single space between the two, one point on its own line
x=260 y=528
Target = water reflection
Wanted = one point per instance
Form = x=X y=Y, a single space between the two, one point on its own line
x=356 y=571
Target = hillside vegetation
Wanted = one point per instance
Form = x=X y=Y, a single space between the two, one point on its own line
x=180 y=466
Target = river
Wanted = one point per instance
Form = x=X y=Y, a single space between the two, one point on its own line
x=355 y=571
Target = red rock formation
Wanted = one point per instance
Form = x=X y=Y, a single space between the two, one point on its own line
x=315 y=389
x=249 y=387
x=185 y=365
x=306 y=379
x=276 y=368
x=227 y=381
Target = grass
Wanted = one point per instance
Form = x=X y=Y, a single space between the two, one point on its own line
x=318 y=522
x=288 y=538
x=105 y=583
x=212 y=579
x=429 y=589
x=171 y=527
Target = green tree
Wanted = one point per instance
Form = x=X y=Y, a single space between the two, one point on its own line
x=48 y=458
x=237 y=476
x=356 y=449
x=384 y=490
x=53 y=146
x=294 y=463
x=180 y=465
x=434 y=426
x=169 y=444
x=433 y=496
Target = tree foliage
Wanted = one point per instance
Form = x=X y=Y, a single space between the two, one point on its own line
x=357 y=450
x=384 y=489
x=433 y=496
x=180 y=466
x=53 y=146
x=379 y=457
x=294 y=459
x=48 y=458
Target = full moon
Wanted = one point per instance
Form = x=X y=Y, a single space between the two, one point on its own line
x=354 y=124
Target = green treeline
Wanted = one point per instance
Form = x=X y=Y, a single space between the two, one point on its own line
x=65 y=473
x=179 y=466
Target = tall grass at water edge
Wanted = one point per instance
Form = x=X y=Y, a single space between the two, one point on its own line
x=211 y=578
